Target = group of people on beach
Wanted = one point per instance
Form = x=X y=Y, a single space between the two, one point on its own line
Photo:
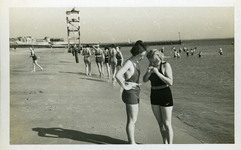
x=111 y=57
x=177 y=53
x=127 y=74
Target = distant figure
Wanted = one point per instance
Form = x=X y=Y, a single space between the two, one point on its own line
x=178 y=55
x=106 y=53
x=180 y=50
x=175 y=54
x=200 y=54
x=87 y=59
x=34 y=59
x=195 y=48
x=159 y=72
x=220 y=51
x=192 y=52
x=99 y=58
x=128 y=79
x=162 y=49
x=120 y=58
x=113 y=60
x=174 y=48
x=187 y=52
x=184 y=49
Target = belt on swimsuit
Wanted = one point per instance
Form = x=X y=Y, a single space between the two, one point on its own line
x=159 y=87
x=86 y=55
x=98 y=55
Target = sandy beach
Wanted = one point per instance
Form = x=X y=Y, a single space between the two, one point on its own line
x=61 y=105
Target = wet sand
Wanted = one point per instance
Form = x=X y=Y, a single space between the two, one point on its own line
x=61 y=105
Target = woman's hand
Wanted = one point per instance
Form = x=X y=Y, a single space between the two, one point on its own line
x=150 y=69
x=155 y=70
x=148 y=73
x=130 y=85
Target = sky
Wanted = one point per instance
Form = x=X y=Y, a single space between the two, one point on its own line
x=117 y=24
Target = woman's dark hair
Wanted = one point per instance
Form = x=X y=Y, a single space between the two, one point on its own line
x=138 y=48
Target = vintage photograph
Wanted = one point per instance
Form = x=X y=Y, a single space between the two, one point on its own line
x=121 y=75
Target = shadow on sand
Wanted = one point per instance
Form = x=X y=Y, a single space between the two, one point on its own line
x=77 y=135
x=79 y=73
x=65 y=61
x=98 y=78
x=72 y=72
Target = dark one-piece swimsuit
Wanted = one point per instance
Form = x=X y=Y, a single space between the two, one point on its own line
x=132 y=96
x=162 y=97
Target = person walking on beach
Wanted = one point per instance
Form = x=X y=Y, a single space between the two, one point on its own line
x=34 y=59
x=159 y=73
x=99 y=58
x=220 y=51
x=120 y=59
x=200 y=54
x=87 y=59
x=187 y=52
x=106 y=53
x=128 y=79
x=113 y=60
x=192 y=52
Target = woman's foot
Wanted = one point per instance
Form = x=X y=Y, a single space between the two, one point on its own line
x=33 y=71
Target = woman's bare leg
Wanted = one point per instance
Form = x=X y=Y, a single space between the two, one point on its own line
x=38 y=65
x=33 y=67
x=132 y=113
x=157 y=113
x=89 y=64
x=99 y=68
x=167 y=121
x=86 y=68
x=113 y=66
x=108 y=69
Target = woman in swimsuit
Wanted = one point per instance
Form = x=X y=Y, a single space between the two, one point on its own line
x=87 y=59
x=119 y=58
x=99 y=59
x=34 y=59
x=128 y=78
x=106 y=53
x=113 y=60
x=159 y=73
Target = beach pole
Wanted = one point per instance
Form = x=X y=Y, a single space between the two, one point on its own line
x=180 y=38
x=68 y=33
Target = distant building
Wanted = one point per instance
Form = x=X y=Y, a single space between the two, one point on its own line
x=57 y=40
x=33 y=40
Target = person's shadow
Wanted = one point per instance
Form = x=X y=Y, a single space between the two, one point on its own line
x=77 y=135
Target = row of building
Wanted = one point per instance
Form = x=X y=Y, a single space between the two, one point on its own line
x=33 y=40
